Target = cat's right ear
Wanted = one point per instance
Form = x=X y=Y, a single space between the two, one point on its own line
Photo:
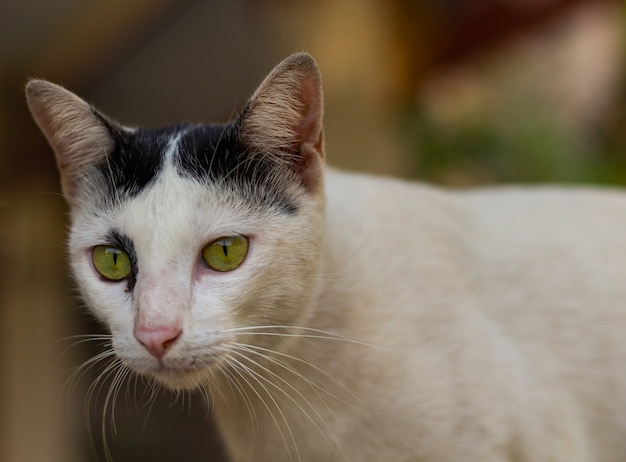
x=77 y=134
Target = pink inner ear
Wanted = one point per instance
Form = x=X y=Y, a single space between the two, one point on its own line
x=310 y=136
x=77 y=136
x=284 y=120
x=310 y=129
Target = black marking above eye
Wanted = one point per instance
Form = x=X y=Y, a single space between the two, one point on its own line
x=205 y=153
x=122 y=241
x=215 y=154
x=136 y=159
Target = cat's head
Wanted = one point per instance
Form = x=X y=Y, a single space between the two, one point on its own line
x=186 y=240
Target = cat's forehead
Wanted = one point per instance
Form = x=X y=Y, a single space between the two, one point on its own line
x=140 y=155
x=210 y=155
x=174 y=200
x=179 y=213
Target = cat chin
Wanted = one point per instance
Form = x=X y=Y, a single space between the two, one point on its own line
x=178 y=380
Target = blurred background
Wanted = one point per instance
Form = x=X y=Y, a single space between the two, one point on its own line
x=456 y=92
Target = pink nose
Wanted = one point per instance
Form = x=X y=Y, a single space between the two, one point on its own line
x=157 y=340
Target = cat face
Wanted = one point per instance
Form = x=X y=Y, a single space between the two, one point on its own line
x=185 y=239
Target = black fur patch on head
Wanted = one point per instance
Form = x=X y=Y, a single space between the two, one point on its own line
x=204 y=153
x=215 y=154
x=135 y=161
x=123 y=242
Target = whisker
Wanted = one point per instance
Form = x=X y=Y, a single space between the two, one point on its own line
x=113 y=393
x=223 y=371
x=251 y=373
x=76 y=376
x=103 y=433
x=207 y=394
x=83 y=337
x=232 y=381
x=155 y=389
x=233 y=170
x=96 y=387
x=269 y=357
x=128 y=395
x=86 y=406
x=292 y=399
x=313 y=333
x=217 y=145
x=207 y=388
x=112 y=180
x=314 y=386
x=121 y=373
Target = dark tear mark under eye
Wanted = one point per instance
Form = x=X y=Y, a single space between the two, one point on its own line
x=214 y=153
x=123 y=242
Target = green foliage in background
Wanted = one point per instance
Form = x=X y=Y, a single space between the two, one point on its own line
x=507 y=128
x=517 y=146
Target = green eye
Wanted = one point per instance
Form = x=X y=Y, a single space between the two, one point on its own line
x=112 y=263
x=225 y=253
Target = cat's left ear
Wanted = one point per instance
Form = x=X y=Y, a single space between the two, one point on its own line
x=77 y=134
x=283 y=118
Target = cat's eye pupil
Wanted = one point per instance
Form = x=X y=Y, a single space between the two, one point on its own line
x=112 y=263
x=226 y=253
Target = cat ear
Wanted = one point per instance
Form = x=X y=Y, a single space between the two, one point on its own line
x=76 y=132
x=283 y=118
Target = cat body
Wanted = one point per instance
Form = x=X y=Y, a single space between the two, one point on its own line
x=507 y=338
x=368 y=319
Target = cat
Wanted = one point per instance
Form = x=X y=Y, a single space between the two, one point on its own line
x=335 y=316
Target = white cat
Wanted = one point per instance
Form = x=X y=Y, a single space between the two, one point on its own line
x=333 y=316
